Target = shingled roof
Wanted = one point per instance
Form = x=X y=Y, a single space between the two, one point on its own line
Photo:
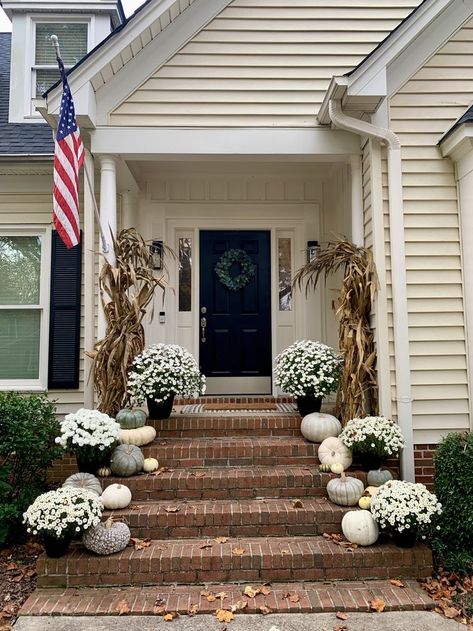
x=18 y=138
x=467 y=117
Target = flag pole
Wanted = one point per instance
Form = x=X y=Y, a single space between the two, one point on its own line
x=105 y=248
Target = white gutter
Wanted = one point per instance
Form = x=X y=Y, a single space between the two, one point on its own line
x=357 y=224
x=398 y=274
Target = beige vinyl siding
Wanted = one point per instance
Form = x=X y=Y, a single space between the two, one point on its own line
x=262 y=63
x=425 y=107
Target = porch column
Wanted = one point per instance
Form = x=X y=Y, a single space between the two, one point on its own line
x=108 y=218
x=89 y=280
x=356 y=172
x=128 y=208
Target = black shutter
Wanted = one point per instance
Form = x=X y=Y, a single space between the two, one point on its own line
x=64 y=322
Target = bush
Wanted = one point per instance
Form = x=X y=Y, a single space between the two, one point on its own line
x=28 y=427
x=453 y=543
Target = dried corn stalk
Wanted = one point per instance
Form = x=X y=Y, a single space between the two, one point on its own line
x=358 y=389
x=126 y=290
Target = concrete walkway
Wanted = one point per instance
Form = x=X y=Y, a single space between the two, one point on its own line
x=392 y=621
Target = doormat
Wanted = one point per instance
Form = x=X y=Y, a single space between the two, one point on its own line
x=218 y=408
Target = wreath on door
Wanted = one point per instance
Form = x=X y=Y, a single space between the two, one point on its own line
x=223 y=267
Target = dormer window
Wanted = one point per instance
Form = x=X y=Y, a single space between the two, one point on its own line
x=73 y=41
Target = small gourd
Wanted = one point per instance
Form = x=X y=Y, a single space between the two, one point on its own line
x=126 y=460
x=337 y=468
x=359 y=527
x=150 y=465
x=325 y=468
x=345 y=490
x=104 y=472
x=107 y=538
x=365 y=502
x=116 y=496
x=139 y=437
x=317 y=426
x=131 y=419
x=332 y=450
x=85 y=481
x=377 y=477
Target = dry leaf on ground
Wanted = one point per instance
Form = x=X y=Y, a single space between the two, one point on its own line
x=238 y=551
x=265 y=610
x=224 y=615
x=169 y=617
x=396 y=582
x=221 y=539
x=377 y=604
x=294 y=598
x=172 y=509
x=265 y=589
x=222 y=595
x=341 y=615
x=139 y=544
x=210 y=596
x=198 y=474
x=239 y=605
x=297 y=504
x=193 y=609
x=250 y=591
x=206 y=546
x=122 y=608
x=340 y=627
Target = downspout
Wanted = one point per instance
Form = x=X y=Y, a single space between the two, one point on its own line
x=398 y=274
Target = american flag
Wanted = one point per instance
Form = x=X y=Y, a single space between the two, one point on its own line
x=68 y=159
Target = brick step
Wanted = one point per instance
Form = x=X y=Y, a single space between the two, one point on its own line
x=229 y=482
x=217 y=425
x=349 y=597
x=235 y=398
x=232 y=518
x=238 y=560
x=231 y=452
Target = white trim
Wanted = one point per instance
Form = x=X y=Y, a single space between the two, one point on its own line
x=44 y=232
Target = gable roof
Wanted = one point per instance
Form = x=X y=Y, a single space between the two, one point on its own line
x=467 y=117
x=18 y=138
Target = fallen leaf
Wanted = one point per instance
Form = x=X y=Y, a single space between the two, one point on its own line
x=340 y=627
x=238 y=551
x=285 y=552
x=122 y=608
x=206 y=546
x=11 y=566
x=169 y=617
x=199 y=474
x=396 y=582
x=294 y=598
x=139 y=544
x=193 y=610
x=210 y=596
x=239 y=605
x=221 y=539
x=33 y=548
x=172 y=509
x=136 y=507
x=159 y=610
x=265 y=610
x=297 y=504
x=451 y=612
x=377 y=605
x=341 y=615
x=224 y=615
x=250 y=591
x=265 y=589
x=222 y=595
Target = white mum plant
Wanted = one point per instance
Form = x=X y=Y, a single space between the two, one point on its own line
x=66 y=512
x=88 y=428
x=308 y=368
x=405 y=506
x=374 y=435
x=164 y=370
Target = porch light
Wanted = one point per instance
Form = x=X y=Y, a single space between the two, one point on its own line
x=313 y=249
x=156 y=252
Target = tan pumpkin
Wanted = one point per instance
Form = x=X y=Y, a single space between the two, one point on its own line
x=358 y=526
x=116 y=496
x=332 y=451
x=371 y=490
x=139 y=436
x=345 y=490
x=317 y=426
x=150 y=465
x=337 y=468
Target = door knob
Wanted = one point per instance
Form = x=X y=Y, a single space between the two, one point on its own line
x=203 y=326
x=203 y=310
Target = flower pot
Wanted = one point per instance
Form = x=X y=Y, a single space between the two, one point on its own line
x=370 y=462
x=92 y=462
x=405 y=539
x=308 y=404
x=159 y=411
x=55 y=547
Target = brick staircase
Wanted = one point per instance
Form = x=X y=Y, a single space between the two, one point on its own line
x=250 y=478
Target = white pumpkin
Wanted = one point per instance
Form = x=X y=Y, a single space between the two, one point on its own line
x=139 y=436
x=332 y=451
x=345 y=491
x=358 y=526
x=316 y=427
x=371 y=490
x=150 y=464
x=116 y=496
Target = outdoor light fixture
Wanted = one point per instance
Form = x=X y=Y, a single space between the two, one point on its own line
x=156 y=252
x=313 y=248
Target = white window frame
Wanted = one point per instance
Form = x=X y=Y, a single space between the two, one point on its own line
x=41 y=383
x=30 y=91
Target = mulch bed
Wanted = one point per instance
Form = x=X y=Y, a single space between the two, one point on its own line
x=453 y=595
x=17 y=579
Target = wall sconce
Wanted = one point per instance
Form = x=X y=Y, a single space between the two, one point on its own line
x=313 y=249
x=156 y=252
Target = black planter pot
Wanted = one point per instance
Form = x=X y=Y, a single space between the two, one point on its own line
x=405 y=539
x=92 y=463
x=308 y=404
x=54 y=547
x=159 y=411
x=370 y=462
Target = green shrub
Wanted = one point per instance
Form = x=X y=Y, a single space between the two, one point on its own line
x=28 y=427
x=453 y=543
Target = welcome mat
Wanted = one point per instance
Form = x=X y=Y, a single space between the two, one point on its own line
x=218 y=408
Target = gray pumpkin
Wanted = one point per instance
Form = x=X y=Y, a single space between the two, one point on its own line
x=131 y=419
x=85 y=481
x=378 y=477
x=127 y=460
x=107 y=537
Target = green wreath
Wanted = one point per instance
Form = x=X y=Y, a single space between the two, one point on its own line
x=247 y=269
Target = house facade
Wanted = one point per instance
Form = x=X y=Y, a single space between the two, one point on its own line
x=228 y=125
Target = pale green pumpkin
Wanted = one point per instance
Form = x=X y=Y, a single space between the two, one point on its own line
x=131 y=419
x=127 y=460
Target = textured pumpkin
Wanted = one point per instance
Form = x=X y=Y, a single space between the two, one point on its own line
x=378 y=477
x=150 y=464
x=345 y=491
x=107 y=538
x=116 y=496
x=130 y=419
x=332 y=450
x=126 y=460
x=104 y=472
x=316 y=427
x=139 y=437
x=85 y=481
x=358 y=526
x=365 y=502
x=325 y=468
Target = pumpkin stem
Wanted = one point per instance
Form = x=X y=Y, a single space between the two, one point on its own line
x=109 y=522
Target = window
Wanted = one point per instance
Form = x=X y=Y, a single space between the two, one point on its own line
x=185 y=274
x=73 y=39
x=285 y=274
x=22 y=309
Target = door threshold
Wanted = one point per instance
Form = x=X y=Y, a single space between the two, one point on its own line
x=239 y=386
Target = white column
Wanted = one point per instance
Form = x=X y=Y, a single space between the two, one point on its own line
x=108 y=218
x=129 y=204
x=89 y=278
x=357 y=232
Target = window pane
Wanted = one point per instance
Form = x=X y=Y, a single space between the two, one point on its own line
x=20 y=262
x=72 y=41
x=19 y=343
x=185 y=274
x=45 y=79
x=285 y=290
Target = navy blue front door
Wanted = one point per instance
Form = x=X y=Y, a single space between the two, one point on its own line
x=236 y=341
